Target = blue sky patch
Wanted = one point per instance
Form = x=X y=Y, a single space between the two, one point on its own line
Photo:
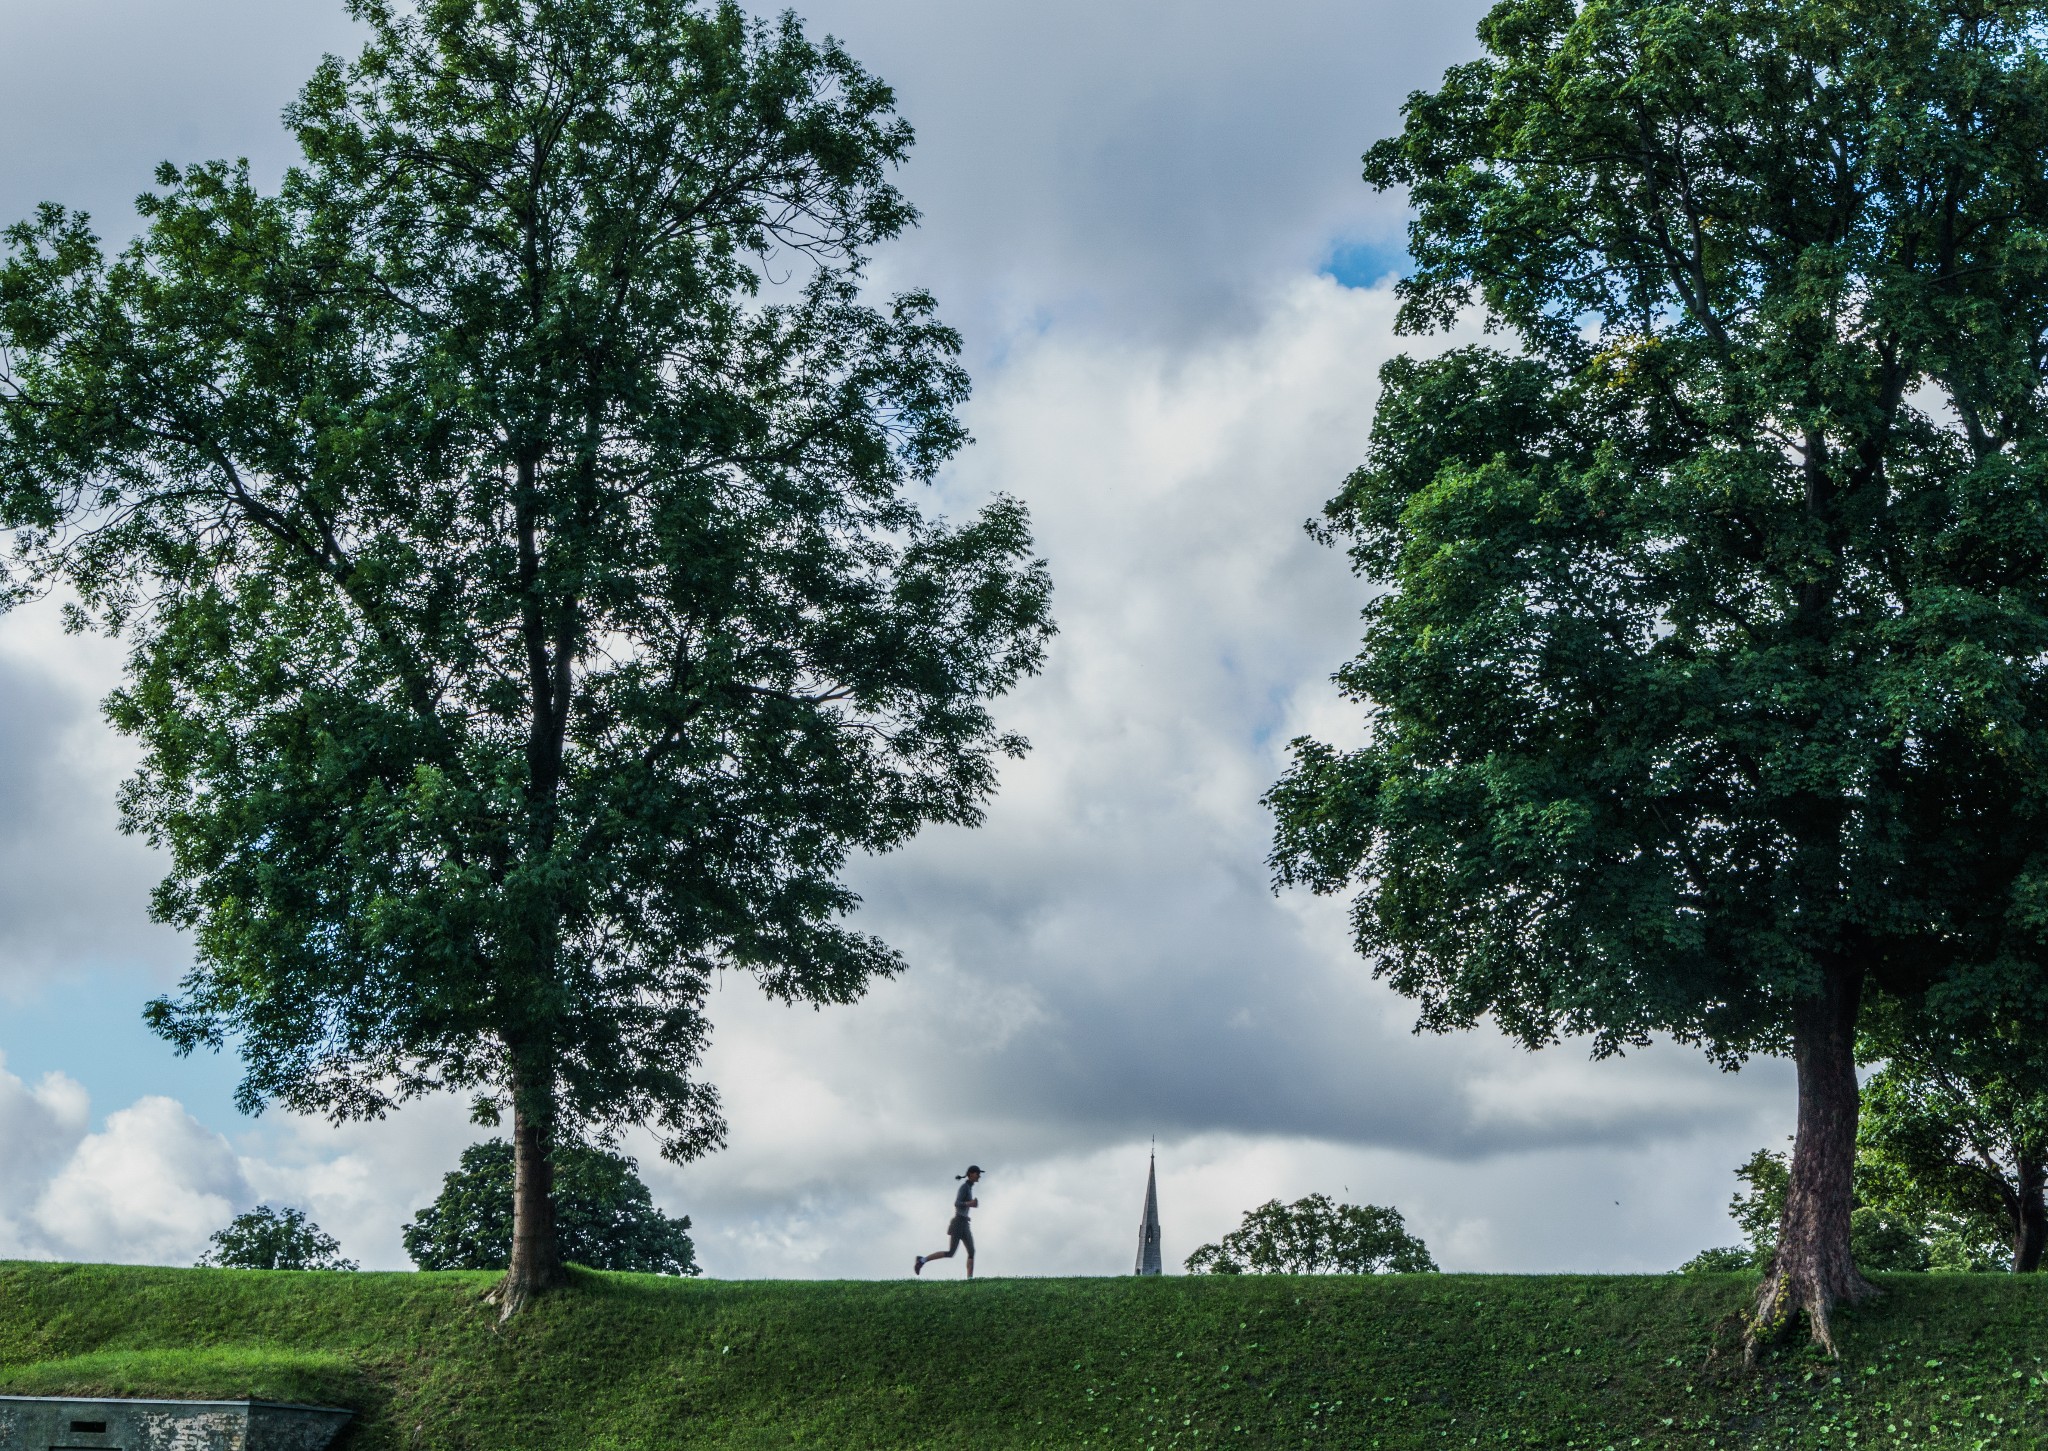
x=90 y=1027
x=1365 y=264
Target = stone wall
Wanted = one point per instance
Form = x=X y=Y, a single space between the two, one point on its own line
x=49 y=1423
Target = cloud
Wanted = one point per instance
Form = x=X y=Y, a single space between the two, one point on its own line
x=1103 y=961
x=40 y=1128
x=95 y=93
x=1144 y=168
x=1592 y=1208
x=73 y=891
x=153 y=1183
x=361 y=1182
x=149 y=1187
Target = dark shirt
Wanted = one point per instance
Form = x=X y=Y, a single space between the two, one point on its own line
x=960 y=1199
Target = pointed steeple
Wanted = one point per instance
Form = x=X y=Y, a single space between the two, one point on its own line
x=1148 y=1228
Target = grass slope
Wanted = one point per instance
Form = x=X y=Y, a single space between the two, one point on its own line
x=620 y=1361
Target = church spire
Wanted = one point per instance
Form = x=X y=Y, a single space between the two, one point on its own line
x=1148 y=1228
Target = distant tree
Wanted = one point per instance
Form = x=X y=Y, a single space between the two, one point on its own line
x=1718 y=1261
x=604 y=1215
x=1955 y=1129
x=1315 y=1236
x=1707 y=657
x=272 y=1239
x=512 y=521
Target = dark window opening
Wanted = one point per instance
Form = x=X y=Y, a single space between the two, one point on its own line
x=97 y=1426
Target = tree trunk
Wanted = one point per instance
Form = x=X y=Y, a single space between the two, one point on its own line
x=2030 y=1235
x=536 y=1254
x=1813 y=1271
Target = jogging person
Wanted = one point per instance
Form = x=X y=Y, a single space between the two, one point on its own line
x=959 y=1232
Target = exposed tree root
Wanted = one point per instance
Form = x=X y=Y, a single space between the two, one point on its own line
x=513 y=1296
x=1788 y=1292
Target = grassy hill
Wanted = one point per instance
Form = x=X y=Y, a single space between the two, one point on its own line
x=621 y=1361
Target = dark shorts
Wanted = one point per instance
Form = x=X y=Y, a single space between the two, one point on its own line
x=959 y=1232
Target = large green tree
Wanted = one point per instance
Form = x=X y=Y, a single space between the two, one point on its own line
x=1706 y=670
x=509 y=517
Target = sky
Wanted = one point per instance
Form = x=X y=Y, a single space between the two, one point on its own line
x=1147 y=221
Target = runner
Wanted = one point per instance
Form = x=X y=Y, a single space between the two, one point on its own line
x=959 y=1232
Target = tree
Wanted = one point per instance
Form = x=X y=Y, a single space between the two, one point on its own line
x=1724 y=1259
x=1315 y=1236
x=272 y=1239
x=1880 y=1239
x=1955 y=1128
x=510 y=519
x=604 y=1217
x=1706 y=676
x=1758 y=1207
x=1886 y=1231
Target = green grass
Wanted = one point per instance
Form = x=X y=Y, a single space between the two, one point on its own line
x=620 y=1361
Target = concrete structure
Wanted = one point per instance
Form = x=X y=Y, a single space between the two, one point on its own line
x=1148 y=1227
x=56 y=1423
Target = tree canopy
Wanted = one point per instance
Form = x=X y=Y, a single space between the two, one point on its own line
x=274 y=1239
x=1955 y=1128
x=510 y=522
x=605 y=1218
x=1888 y=1231
x=1705 y=665
x=1315 y=1236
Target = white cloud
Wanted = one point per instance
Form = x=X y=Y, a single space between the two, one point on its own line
x=360 y=1182
x=1144 y=168
x=149 y=1187
x=153 y=1182
x=95 y=93
x=73 y=890
x=1588 y=1208
x=40 y=1128
x=1103 y=959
